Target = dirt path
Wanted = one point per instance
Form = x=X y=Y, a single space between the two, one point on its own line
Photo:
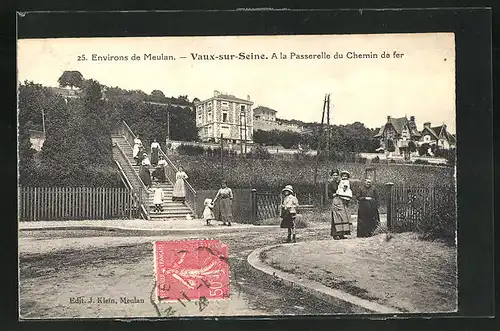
x=404 y=272
x=59 y=267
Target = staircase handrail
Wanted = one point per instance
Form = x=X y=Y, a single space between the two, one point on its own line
x=127 y=131
x=191 y=196
x=131 y=188
x=130 y=133
x=176 y=169
x=144 y=189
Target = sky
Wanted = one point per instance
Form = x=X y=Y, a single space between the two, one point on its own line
x=420 y=82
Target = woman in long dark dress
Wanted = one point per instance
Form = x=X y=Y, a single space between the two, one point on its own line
x=155 y=148
x=144 y=173
x=225 y=198
x=368 y=216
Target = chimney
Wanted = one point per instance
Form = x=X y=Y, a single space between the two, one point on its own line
x=388 y=118
x=427 y=124
x=248 y=97
x=412 y=118
x=216 y=93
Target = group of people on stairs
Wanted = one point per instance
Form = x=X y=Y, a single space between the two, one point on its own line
x=158 y=163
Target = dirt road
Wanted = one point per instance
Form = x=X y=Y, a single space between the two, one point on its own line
x=61 y=270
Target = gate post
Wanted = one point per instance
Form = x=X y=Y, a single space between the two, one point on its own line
x=388 y=190
x=254 y=206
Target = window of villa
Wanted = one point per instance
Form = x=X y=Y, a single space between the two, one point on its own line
x=224 y=117
x=225 y=103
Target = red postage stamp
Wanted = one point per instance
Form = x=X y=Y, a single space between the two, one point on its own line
x=191 y=269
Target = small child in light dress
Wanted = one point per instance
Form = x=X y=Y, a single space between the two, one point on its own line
x=158 y=198
x=344 y=189
x=208 y=213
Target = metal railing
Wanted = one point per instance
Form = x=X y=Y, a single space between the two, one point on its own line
x=138 y=206
x=170 y=172
x=170 y=169
x=140 y=190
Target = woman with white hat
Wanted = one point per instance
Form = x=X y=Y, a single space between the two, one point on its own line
x=341 y=194
x=289 y=212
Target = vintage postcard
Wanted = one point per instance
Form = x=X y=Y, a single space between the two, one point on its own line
x=237 y=176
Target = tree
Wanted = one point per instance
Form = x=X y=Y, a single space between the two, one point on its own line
x=422 y=149
x=412 y=146
x=71 y=79
x=196 y=100
x=158 y=94
x=390 y=146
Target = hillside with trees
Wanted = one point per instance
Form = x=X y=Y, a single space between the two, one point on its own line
x=78 y=150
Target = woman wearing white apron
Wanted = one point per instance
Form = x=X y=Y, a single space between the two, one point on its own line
x=179 y=193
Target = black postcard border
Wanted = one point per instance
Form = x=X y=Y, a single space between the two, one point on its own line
x=473 y=31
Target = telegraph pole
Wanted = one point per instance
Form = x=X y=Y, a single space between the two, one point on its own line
x=168 y=123
x=222 y=155
x=320 y=140
x=328 y=126
x=241 y=133
x=43 y=122
x=246 y=129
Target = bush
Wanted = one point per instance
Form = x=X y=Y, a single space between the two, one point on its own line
x=376 y=159
x=259 y=152
x=420 y=161
x=273 y=174
x=436 y=222
x=187 y=149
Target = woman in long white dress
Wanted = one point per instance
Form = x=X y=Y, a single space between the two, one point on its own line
x=179 y=193
x=137 y=149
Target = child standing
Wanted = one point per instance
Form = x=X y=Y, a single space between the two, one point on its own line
x=208 y=213
x=289 y=212
x=158 y=198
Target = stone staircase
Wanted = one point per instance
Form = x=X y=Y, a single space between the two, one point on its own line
x=171 y=209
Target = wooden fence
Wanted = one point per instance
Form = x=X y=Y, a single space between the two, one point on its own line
x=75 y=203
x=411 y=208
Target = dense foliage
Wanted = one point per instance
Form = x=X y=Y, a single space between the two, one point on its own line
x=205 y=172
x=353 y=137
x=77 y=147
x=77 y=150
x=71 y=79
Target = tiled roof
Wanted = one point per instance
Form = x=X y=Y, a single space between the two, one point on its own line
x=232 y=98
x=399 y=124
x=380 y=131
x=262 y=108
x=441 y=130
x=431 y=131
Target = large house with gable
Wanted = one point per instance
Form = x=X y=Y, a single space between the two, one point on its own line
x=403 y=130
x=438 y=135
x=398 y=130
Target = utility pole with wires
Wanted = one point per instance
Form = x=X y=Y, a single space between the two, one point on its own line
x=320 y=140
x=329 y=132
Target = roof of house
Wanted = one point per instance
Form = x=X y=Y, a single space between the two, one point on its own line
x=439 y=131
x=398 y=124
x=264 y=109
x=227 y=97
